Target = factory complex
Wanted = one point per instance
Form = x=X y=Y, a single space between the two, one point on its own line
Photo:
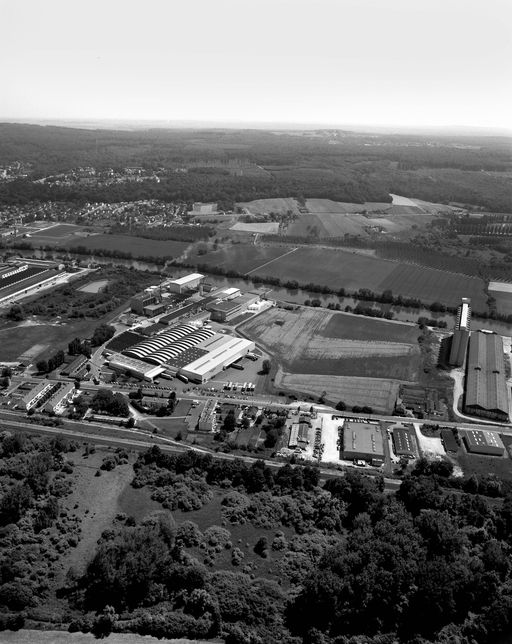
x=187 y=350
x=482 y=354
x=486 y=384
x=21 y=278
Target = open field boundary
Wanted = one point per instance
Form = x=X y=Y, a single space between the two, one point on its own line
x=378 y=393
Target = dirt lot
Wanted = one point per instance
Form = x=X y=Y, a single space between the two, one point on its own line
x=321 y=342
x=269 y=227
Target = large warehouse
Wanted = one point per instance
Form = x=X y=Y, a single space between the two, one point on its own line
x=186 y=349
x=362 y=441
x=483 y=441
x=17 y=279
x=486 y=385
x=186 y=283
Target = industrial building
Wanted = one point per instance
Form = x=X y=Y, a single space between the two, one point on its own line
x=299 y=435
x=483 y=441
x=154 y=309
x=228 y=309
x=186 y=283
x=362 y=441
x=25 y=278
x=186 y=349
x=460 y=336
x=208 y=417
x=142 y=300
x=486 y=386
x=137 y=368
x=404 y=442
x=73 y=369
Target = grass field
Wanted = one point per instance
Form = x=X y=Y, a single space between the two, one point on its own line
x=328 y=224
x=16 y=340
x=430 y=284
x=502 y=296
x=265 y=206
x=137 y=246
x=351 y=270
x=58 y=234
x=242 y=257
x=332 y=268
x=336 y=268
x=312 y=341
x=378 y=393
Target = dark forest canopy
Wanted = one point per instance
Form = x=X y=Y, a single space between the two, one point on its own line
x=252 y=164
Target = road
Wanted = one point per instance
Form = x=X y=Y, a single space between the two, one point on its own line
x=143 y=441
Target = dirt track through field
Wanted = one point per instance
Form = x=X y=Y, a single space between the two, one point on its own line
x=272 y=260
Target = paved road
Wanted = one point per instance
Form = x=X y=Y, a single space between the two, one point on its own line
x=142 y=441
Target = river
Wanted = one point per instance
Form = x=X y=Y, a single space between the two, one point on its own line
x=297 y=296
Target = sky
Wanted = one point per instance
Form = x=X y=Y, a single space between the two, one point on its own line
x=332 y=62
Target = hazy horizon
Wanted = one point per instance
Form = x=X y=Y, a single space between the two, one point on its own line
x=356 y=128
x=365 y=64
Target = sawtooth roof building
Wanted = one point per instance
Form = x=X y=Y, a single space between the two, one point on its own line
x=192 y=351
x=486 y=385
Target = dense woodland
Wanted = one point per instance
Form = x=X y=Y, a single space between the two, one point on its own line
x=347 y=563
x=250 y=164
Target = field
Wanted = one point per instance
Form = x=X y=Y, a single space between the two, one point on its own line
x=351 y=270
x=242 y=257
x=328 y=218
x=21 y=339
x=337 y=268
x=378 y=393
x=312 y=341
x=430 y=284
x=266 y=206
x=94 y=287
x=502 y=294
x=271 y=227
x=57 y=234
x=137 y=246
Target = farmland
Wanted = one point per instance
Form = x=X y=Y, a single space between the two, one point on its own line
x=241 y=257
x=266 y=206
x=329 y=218
x=502 y=294
x=137 y=246
x=379 y=393
x=310 y=343
x=336 y=268
x=57 y=234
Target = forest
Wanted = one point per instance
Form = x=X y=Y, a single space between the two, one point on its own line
x=256 y=164
x=336 y=561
